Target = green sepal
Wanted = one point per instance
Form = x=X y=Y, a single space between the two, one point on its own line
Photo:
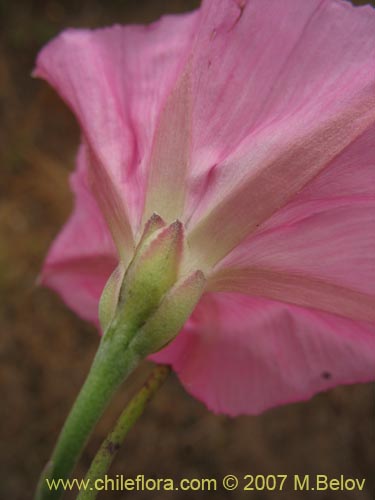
x=109 y=298
x=171 y=315
x=152 y=272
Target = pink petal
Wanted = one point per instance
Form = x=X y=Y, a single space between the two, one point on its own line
x=350 y=174
x=115 y=80
x=281 y=88
x=318 y=251
x=241 y=354
x=325 y=260
x=83 y=256
x=80 y=283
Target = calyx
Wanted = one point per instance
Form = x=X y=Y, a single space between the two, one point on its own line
x=150 y=295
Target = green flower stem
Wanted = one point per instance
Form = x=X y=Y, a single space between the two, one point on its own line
x=114 y=440
x=114 y=361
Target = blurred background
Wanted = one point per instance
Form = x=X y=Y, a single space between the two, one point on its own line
x=46 y=350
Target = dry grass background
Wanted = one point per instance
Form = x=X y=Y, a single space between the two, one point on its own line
x=46 y=350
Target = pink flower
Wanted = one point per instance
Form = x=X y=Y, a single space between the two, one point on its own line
x=254 y=124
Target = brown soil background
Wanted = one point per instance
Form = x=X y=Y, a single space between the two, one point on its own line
x=46 y=350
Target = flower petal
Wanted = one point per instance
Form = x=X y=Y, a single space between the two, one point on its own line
x=83 y=256
x=325 y=260
x=243 y=355
x=170 y=156
x=80 y=283
x=317 y=251
x=280 y=92
x=115 y=80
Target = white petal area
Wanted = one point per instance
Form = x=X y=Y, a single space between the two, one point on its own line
x=170 y=155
